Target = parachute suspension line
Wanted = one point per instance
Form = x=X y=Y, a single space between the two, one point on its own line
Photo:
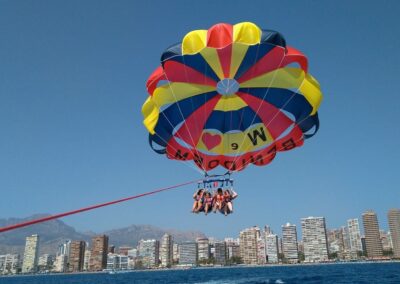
x=259 y=107
x=190 y=165
x=184 y=121
x=166 y=142
x=60 y=215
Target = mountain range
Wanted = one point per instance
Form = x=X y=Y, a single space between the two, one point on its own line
x=55 y=232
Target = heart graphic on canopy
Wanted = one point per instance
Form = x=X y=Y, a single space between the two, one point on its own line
x=211 y=140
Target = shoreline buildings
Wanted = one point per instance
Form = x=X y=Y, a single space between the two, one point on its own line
x=98 y=253
x=289 y=243
x=372 y=235
x=253 y=247
x=314 y=239
x=394 y=227
x=31 y=254
x=166 y=250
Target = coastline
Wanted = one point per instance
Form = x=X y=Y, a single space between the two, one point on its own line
x=206 y=268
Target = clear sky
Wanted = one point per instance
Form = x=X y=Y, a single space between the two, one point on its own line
x=72 y=83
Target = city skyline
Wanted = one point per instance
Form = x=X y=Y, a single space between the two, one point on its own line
x=253 y=246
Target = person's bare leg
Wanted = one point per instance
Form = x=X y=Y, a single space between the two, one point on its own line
x=199 y=204
x=194 y=206
x=230 y=207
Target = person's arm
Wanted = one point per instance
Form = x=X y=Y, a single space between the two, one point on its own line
x=234 y=194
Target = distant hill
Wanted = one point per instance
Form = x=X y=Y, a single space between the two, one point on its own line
x=53 y=233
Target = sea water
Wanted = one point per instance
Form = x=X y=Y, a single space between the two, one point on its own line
x=326 y=273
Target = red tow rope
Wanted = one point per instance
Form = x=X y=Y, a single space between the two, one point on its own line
x=56 y=216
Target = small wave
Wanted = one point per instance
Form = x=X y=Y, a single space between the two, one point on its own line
x=253 y=280
x=279 y=281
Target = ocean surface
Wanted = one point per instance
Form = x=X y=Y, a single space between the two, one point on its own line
x=328 y=273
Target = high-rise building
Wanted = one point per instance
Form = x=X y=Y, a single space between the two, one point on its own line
x=61 y=263
x=232 y=248
x=98 y=255
x=335 y=241
x=372 y=237
x=175 y=253
x=149 y=251
x=394 y=227
x=289 y=243
x=45 y=262
x=261 y=248
x=86 y=261
x=267 y=230
x=64 y=248
x=76 y=256
x=354 y=235
x=271 y=241
x=280 y=245
x=9 y=264
x=314 y=239
x=220 y=253
x=30 y=262
x=346 y=239
x=166 y=250
x=204 y=249
x=249 y=245
x=188 y=253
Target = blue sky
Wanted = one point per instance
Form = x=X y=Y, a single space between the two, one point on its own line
x=72 y=82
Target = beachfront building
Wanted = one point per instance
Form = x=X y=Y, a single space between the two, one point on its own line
x=30 y=261
x=10 y=264
x=314 y=239
x=188 y=253
x=394 y=227
x=289 y=243
x=249 y=245
x=98 y=255
x=232 y=248
x=220 y=253
x=166 y=250
x=271 y=245
x=76 y=256
x=261 y=249
x=204 y=249
x=354 y=236
x=335 y=242
x=86 y=260
x=61 y=263
x=117 y=261
x=372 y=236
x=175 y=253
x=45 y=262
x=149 y=252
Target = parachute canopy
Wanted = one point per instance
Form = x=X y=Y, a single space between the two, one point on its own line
x=230 y=96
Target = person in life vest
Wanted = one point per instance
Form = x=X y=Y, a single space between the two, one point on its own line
x=208 y=202
x=218 y=200
x=229 y=195
x=198 y=200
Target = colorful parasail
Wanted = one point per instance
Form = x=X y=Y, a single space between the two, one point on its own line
x=231 y=96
